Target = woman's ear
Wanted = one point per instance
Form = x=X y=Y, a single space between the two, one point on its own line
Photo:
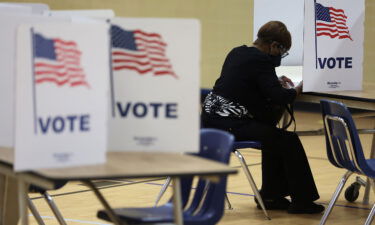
x=274 y=45
x=274 y=49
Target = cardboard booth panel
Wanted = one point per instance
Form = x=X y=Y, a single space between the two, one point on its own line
x=155 y=88
x=333 y=45
x=9 y=24
x=98 y=13
x=15 y=8
x=290 y=12
x=62 y=91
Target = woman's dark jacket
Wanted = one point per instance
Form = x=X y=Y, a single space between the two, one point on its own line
x=248 y=77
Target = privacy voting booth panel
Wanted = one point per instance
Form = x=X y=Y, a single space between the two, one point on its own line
x=62 y=87
x=155 y=85
x=33 y=8
x=291 y=13
x=333 y=45
x=9 y=24
x=97 y=13
x=327 y=41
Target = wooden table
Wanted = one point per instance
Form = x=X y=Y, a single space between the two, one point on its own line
x=118 y=165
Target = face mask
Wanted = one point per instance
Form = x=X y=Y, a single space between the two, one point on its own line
x=276 y=60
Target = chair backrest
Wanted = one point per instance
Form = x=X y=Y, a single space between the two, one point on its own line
x=207 y=205
x=344 y=149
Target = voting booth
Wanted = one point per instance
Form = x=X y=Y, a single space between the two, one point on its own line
x=327 y=41
x=75 y=84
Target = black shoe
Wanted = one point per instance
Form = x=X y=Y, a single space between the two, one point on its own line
x=274 y=204
x=305 y=208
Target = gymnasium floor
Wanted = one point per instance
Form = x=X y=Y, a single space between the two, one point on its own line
x=79 y=205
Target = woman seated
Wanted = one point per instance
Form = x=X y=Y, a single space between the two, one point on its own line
x=247 y=100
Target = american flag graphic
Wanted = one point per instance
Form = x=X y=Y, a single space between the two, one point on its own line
x=57 y=61
x=331 y=22
x=139 y=51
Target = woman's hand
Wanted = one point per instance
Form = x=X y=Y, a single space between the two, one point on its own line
x=286 y=82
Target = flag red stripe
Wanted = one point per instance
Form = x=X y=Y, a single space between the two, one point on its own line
x=331 y=25
x=338 y=19
x=132 y=68
x=147 y=34
x=49 y=65
x=68 y=58
x=165 y=73
x=78 y=83
x=162 y=50
x=338 y=15
x=345 y=36
x=57 y=67
x=54 y=72
x=117 y=53
x=159 y=59
x=131 y=61
x=156 y=53
x=65 y=50
x=61 y=83
x=69 y=43
x=53 y=80
x=150 y=41
x=332 y=30
x=328 y=34
x=163 y=66
x=336 y=10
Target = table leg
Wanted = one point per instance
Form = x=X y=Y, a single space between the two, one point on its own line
x=111 y=214
x=9 y=213
x=3 y=194
x=177 y=203
x=22 y=201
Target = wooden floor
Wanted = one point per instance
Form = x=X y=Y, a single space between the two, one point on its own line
x=79 y=205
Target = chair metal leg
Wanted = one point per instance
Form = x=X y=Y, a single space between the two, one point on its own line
x=335 y=196
x=54 y=208
x=366 y=195
x=370 y=217
x=367 y=189
x=228 y=202
x=35 y=212
x=251 y=181
x=201 y=202
x=163 y=189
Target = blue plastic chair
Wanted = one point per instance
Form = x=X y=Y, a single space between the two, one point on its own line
x=344 y=149
x=207 y=205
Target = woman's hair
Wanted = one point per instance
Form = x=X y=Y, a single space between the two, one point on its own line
x=274 y=31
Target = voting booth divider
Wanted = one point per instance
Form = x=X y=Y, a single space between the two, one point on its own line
x=155 y=85
x=333 y=45
x=61 y=95
x=73 y=88
x=327 y=41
